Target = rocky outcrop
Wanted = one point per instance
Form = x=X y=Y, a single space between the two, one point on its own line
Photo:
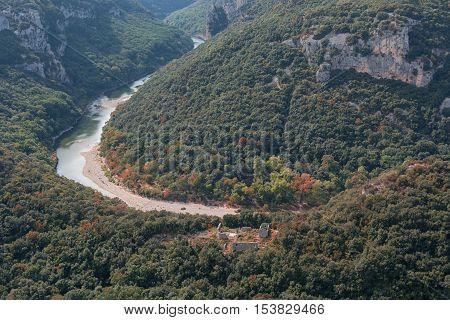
x=233 y=8
x=36 y=67
x=384 y=55
x=115 y=12
x=324 y=72
x=80 y=13
x=216 y=21
x=4 y=23
x=445 y=107
x=223 y=12
x=32 y=32
x=32 y=35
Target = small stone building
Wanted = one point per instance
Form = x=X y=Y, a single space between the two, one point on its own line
x=222 y=235
x=264 y=230
x=244 y=246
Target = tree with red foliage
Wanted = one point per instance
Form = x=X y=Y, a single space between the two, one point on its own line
x=303 y=182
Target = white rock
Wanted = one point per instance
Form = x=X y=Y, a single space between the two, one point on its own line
x=324 y=72
x=445 y=105
x=70 y=12
x=36 y=67
x=387 y=57
x=4 y=23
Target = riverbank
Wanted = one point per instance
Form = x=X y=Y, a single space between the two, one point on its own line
x=94 y=172
x=78 y=157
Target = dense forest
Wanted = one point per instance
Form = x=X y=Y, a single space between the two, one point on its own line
x=191 y=19
x=35 y=107
x=385 y=239
x=161 y=9
x=242 y=119
x=203 y=16
x=90 y=46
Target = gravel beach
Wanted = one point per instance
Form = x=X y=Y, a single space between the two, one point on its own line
x=93 y=171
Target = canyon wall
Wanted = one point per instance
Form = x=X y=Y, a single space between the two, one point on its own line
x=222 y=13
x=45 y=41
x=384 y=55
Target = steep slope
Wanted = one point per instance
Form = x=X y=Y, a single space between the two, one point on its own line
x=377 y=240
x=271 y=112
x=55 y=55
x=205 y=18
x=162 y=8
x=366 y=244
x=90 y=45
x=191 y=19
x=382 y=238
x=42 y=213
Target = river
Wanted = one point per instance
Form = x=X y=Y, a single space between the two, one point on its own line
x=78 y=158
x=87 y=134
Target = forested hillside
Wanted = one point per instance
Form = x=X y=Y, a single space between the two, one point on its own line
x=86 y=45
x=38 y=209
x=248 y=119
x=275 y=112
x=385 y=239
x=205 y=18
x=191 y=19
x=44 y=86
x=55 y=56
x=162 y=8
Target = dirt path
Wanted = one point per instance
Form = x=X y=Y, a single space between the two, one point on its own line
x=93 y=171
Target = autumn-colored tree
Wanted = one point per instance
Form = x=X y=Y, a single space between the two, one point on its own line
x=166 y=193
x=193 y=179
x=243 y=141
x=252 y=278
x=125 y=174
x=32 y=234
x=329 y=164
x=303 y=182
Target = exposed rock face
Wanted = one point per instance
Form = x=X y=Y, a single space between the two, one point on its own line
x=445 y=107
x=115 y=12
x=324 y=72
x=383 y=55
x=35 y=38
x=32 y=31
x=36 y=67
x=217 y=21
x=222 y=13
x=233 y=8
x=81 y=13
x=4 y=23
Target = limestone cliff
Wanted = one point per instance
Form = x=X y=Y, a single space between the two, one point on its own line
x=29 y=28
x=216 y=21
x=4 y=23
x=233 y=8
x=445 y=107
x=383 y=55
x=221 y=13
x=45 y=46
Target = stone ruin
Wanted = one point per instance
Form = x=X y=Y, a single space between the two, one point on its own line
x=264 y=230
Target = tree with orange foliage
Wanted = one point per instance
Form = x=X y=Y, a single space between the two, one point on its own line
x=303 y=182
x=32 y=234
x=243 y=141
x=166 y=193
x=126 y=173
